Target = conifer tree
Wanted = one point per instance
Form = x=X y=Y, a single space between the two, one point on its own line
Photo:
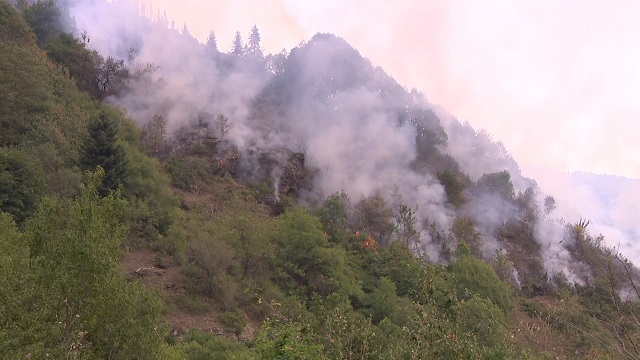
x=212 y=43
x=185 y=31
x=101 y=149
x=237 y=48
x=253 y=47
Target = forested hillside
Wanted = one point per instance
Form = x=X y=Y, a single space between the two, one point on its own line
x=164 y=199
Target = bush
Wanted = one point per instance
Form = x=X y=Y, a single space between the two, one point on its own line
x=186 y=174
x=306 y=259
x=192 y=303
x=486 y=322
x=199 y=345
x=534 y=308
x=21 y=183
x=473 y=276
x=453 y=187
x=233 y=321
x=498 y=183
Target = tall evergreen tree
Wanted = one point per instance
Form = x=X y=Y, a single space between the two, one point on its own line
x=185 y=31
x=237 y=48
x=212 y=43
x=253 y=47
x=101 y=149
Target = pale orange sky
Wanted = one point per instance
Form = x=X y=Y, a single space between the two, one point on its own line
x=558 y=82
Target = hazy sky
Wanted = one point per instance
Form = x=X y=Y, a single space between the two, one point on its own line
x=558 y=82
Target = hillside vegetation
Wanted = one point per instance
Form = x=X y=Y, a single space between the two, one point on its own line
x=300 y=205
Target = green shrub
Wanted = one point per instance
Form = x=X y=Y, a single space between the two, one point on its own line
x=192 y=303
x=453 y=187
x=233 y=321
x=21 y=183
x=534 y=308
x=199 y=345
x=474 y=276
x=487 y=323
x=187 y=173
x=498 y=183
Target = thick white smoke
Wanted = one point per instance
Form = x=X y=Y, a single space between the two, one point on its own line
x=352 y=136
x=356 y=153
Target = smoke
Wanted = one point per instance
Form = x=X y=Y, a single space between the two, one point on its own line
x=276 y=175
x=358 y=154
x=478 y=154
x=491 y=212
x=554 y=239
x=610 y=203
x=355 y=125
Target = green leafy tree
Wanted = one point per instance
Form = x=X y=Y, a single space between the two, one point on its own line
x=281 y=338
x=83 y=65
x=405 y=228
x=436 y=332
x=153 y=203
x=464 y=230
x=305 y=254
x=68 y=300
x=17 y=287
x=200 y=345
x=487 y=323
x=25 y=90
x=398 y=263
x=343 y=332
x=154 y=135
x=21 y=183
x=45 y=18
x=498 y=183
x=374 y=215
x=101 y=149
x=383 y=302
x=474 y=276
x=92 y=73
x=333 y=214
x=453 y=187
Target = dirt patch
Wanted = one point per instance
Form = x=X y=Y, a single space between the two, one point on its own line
x=139 y=265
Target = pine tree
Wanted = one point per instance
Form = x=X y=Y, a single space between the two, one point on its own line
x=237 y=48
x=185 y=31
x=212 y=43
x=101 y=149
x=253 y=47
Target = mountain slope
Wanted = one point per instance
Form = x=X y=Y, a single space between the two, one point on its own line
x=301 y=205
